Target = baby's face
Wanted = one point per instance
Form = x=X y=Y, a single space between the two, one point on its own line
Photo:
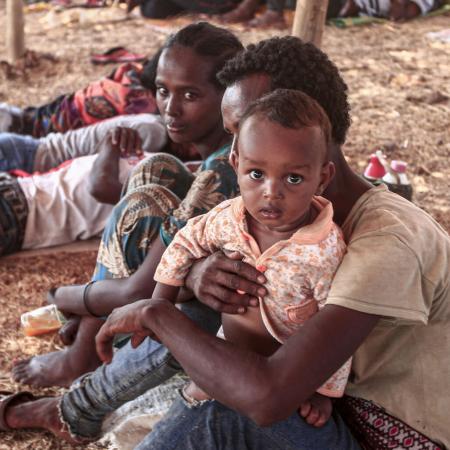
x=279 y=171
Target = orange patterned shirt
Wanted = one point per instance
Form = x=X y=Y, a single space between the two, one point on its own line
x=299 y=270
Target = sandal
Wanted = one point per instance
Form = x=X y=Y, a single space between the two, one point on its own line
x=5 y=399
x=116 y=55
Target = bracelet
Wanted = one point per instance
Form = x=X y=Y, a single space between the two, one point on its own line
x=85 y=298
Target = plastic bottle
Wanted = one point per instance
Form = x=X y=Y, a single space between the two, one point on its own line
x=42 y=320
x=376 y=168
x=397 y=181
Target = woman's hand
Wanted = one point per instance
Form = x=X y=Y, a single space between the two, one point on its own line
x=127 y=319
x=217 y=279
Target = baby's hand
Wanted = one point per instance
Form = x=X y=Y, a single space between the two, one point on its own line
x=316 y=410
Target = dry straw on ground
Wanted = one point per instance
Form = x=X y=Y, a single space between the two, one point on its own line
x=399 y=81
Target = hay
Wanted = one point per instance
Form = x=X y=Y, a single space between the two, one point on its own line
x=23 y=286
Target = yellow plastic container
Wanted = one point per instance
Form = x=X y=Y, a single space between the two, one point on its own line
x=42 y=320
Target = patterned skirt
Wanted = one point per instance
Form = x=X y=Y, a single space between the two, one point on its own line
x=13 y=214
x=375 y=429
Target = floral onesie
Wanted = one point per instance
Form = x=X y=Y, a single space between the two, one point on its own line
x=299 y=270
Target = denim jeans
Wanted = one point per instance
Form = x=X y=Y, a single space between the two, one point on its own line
x=17 y=152
x=131 y=373
x=212 y=426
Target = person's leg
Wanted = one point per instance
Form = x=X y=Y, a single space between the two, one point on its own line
x=62 y=367
x=273 y=16
x=13 y=214
x=243 y=12
x=17 y=152
x=212 y=425
x=153 y=190
x=159 y=9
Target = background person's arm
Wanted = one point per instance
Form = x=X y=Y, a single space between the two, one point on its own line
x=104 y=183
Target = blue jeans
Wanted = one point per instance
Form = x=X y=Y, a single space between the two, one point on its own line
x=17 y=152
x=211 y=425
x=131 y=373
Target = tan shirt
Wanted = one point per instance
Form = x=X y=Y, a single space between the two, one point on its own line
x=397 y=266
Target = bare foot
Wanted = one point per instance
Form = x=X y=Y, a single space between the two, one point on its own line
x=316 y=410
x=42 y=413
x=54 y=369
x=244 y=12
x=269 y=19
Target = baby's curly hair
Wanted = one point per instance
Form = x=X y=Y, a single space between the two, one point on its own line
x=294 y=64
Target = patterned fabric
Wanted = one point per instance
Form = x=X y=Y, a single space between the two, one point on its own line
x=299 y=271
x=156 y=191
x=120 y=93
x=375 y=429
x=13 y=214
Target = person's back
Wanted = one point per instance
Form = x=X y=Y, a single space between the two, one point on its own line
x=412 y=336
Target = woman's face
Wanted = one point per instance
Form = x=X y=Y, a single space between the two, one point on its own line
x=187 y=100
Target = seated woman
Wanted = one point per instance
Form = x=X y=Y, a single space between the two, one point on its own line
x=161 y=195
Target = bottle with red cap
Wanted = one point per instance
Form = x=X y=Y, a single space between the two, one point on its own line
x=376 y=169
x=397 y=180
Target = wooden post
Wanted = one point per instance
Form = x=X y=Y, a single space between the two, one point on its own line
x=15 y=36
x=309 y=20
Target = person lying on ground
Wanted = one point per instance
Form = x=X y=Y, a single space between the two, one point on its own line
x=395 y=332
x=43 y=154
x=280 y=225
x=245 y=12
x=128 y=90
x=57 y=207
x=161 y=195
x=164 y=9
x=272 y=16
x=398 y=10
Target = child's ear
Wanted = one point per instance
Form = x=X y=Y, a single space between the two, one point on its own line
x=234 y=158
x=327 y=173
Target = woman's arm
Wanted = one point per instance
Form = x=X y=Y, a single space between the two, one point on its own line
x=105 y=295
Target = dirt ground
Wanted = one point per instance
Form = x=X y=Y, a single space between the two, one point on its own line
x=399 y=83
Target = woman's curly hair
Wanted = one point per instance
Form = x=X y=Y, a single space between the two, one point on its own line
x=294 y=64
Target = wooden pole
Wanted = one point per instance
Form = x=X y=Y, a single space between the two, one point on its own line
x=309 y=20
x=15 y=36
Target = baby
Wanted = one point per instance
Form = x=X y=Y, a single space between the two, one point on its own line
x=279 y=224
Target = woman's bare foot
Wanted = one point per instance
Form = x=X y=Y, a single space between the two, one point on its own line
x=54 y=369
x=269 y=19
x=243 y=13
x=42 y=414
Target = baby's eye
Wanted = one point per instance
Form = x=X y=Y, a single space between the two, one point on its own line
x=256 y=174
x=294 y=179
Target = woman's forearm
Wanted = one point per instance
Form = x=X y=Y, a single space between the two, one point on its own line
x=105 y=295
